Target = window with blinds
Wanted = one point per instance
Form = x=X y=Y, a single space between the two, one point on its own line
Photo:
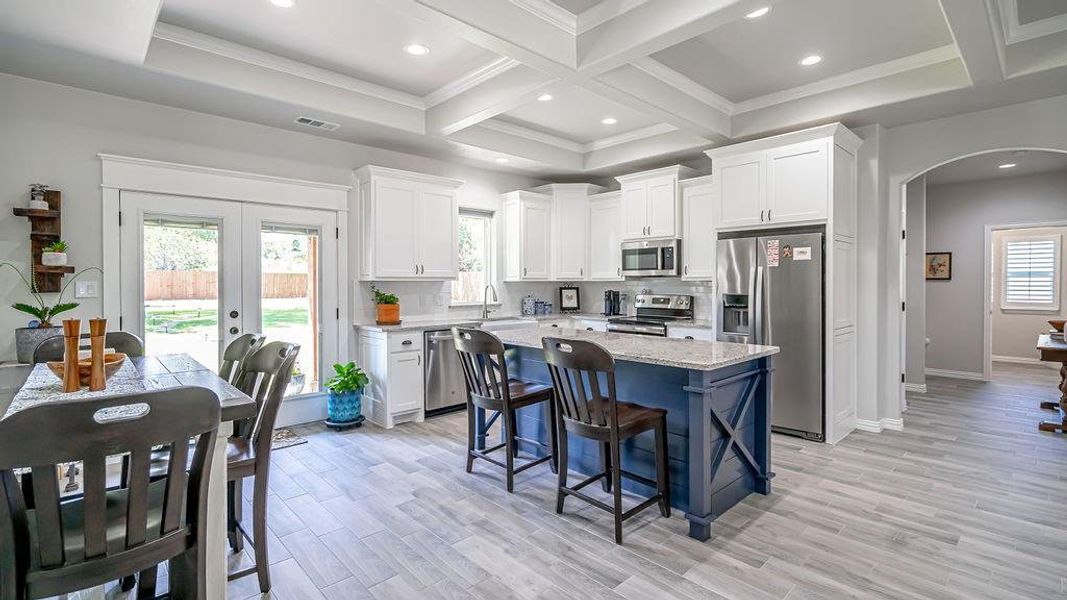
x=1031 y=273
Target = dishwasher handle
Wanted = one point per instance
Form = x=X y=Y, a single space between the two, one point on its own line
x=440 y=337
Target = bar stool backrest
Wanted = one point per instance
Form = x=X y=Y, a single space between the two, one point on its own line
x=576 y=368
x=481 y=354
x=65 y=547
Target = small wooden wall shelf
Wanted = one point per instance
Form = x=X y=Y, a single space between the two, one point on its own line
x=45 y=228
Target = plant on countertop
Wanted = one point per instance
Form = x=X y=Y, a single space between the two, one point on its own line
x=43 y=311
x=349 y=378
x=57 y=246
x=381 y=297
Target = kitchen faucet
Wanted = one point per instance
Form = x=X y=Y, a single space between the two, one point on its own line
x=485 y=302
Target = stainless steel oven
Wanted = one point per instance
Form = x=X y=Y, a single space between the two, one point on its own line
x=651 y=258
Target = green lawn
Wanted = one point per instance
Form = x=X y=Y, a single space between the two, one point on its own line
x=168 y=320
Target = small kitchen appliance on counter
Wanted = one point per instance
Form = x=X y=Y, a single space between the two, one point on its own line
x=612 y=303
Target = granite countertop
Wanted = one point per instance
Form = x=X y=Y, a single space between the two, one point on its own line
x=670 y=352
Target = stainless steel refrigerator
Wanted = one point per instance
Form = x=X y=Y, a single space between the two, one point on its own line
x=771 y=287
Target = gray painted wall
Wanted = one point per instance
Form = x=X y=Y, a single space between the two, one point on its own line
x=955 y=222
x=1014 y=330
x=915 y=357
x=52 y=134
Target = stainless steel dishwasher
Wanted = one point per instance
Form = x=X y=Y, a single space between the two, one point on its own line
x=445 y=389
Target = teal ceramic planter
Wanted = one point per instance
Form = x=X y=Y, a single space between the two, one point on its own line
x=344 y=410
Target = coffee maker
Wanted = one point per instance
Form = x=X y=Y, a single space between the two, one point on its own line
x=612 y=303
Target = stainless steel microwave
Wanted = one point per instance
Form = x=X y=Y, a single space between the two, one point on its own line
x=650 y=258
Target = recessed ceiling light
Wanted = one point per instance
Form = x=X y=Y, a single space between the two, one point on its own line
x=501 y=160
x=609 y=120
x=1006 y=166
x=544 y=97
x=759 y=12
x=417 y=49
x=808 y=61
x=283 y=3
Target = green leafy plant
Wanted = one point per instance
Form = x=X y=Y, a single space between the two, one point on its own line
x=381 y=297
x=57 y=246
x=349 y=378
x=42 y=310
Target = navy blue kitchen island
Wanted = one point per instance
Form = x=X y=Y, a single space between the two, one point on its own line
x=718 y=401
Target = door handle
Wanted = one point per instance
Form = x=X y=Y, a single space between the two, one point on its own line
x=760 y=310
x=234 y=314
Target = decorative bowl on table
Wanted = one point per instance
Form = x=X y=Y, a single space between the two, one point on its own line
x=112 y=364
x=1057 y=324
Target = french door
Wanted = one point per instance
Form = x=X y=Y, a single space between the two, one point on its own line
x=198 y=273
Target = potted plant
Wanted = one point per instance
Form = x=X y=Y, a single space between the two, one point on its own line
x=345 y=401
x=388 y=307
x=41 y=328
x=54 y=254
x=296 y=383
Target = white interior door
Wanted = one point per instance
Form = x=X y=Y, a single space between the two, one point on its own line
x=290 y=289
x=180 y=273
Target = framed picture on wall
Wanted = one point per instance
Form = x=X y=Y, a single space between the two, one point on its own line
x=938 y=266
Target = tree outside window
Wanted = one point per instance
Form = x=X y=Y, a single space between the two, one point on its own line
x=475 y=257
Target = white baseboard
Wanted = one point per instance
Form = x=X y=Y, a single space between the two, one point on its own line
x=1026 y=360
x=955 y=374
x=306 y=409
x=919 y=388
x=880 y=425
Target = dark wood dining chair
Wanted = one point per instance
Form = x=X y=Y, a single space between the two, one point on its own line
x=62 y=546
x=237 y=352
x=481 y=354
x=591 y=410
x=127 y=343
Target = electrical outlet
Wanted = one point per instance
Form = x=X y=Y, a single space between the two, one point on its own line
x=86 y=289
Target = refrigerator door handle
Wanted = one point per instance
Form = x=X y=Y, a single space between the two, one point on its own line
x=758 y=328
x=752 y=307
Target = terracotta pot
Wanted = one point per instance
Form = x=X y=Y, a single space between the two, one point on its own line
x=388 y=314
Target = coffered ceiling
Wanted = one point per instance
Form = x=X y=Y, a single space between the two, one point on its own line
x=562 y=87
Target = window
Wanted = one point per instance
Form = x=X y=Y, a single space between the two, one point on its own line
x=1031 y=273
x=475 y=256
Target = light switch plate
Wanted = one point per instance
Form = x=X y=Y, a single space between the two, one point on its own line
x=86 y=289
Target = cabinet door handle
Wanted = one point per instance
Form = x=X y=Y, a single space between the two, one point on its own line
x=524 y=271
x=405 y=343
x=581 y=271
x=588 y=328
x=768 y=214
x=422 y=269
x=761 y=216
x=685 y=270
x=416 y=269
x=619 y=271
x=418 y=359
x=688 y=337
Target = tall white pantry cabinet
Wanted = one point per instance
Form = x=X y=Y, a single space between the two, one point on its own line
x=804 y=178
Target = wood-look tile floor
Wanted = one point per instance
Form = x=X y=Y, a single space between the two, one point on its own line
x=969 y=501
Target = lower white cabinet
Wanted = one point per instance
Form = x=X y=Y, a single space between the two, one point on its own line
x=394 y=363
x=704 y=334
x=591 y=324
x=842 y=396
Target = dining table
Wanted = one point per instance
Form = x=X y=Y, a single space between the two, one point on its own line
x=1054 y=350
x=147 y=373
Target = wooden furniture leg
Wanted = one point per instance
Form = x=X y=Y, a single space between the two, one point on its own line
x=1061 y=406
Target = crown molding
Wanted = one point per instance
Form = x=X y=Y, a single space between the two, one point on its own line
x=1015 y=32
x=469 y=80
x=882 y=70
x=366 y=172
x=214 y=171
x=532 y=135
x=230 y=50
x=684 y=84
x=629 y=136
x=551 y=13
x=607 y=10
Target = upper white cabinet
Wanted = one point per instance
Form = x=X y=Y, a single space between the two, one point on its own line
x=651 y=203
x=528 y=243
x=791 y=179
x=699 y=238
x=605 y=237
x=408 y=224
x=570 y=229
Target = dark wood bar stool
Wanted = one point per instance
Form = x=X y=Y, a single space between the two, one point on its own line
x=584 y=410
x=61 y=545
x=481 y=354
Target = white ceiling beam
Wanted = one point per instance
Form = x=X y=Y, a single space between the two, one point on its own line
x=115 y=29
x=974 y=30
x=653 y=26
x=651 y=149
x=506 y=91
x=501 y=27
x=507 y=144
x=643 y=91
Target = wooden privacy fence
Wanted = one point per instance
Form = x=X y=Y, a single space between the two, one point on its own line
x=203 y=285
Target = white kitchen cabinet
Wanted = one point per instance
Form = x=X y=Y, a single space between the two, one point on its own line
x=527 y=255
x=394 y=363
x=742 y=194
x=605 y=237
x=704 y=334
x=570 y=248
x=798 y=182
x=842 y=394
x=699 y=237
x=408 y=224
x=651 y=203
x=600 y=325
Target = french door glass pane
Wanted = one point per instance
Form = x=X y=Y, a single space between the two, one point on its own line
x=290 y=298
x=181 y=289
